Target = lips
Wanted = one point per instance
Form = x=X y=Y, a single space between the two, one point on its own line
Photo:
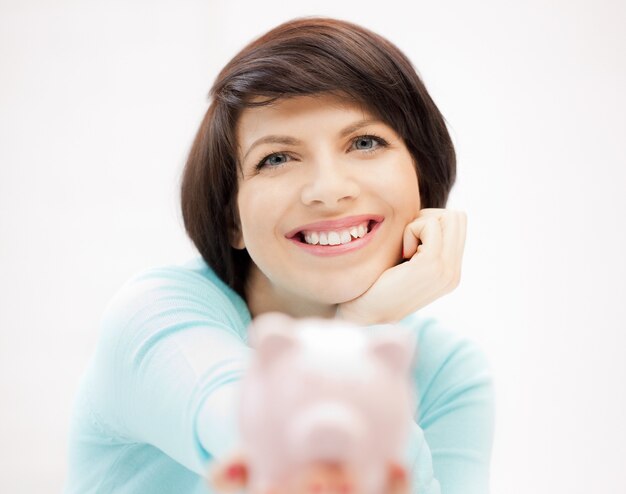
x=330 y=244
x=336 y=237
x=334 y=225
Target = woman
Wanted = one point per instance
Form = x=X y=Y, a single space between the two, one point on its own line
x=314 y=187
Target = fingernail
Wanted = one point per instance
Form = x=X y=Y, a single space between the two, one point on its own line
x=235 y=471
x=397 y=472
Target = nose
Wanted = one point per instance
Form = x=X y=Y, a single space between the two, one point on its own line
x=329 y=183
x=329 y=430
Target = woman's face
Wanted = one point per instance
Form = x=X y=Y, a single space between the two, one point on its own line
x=325 y=194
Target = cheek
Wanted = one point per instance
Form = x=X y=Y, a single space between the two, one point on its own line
x=411 y=200
x=246 y=201
x=400 y=188
x=260 y=212
x=408 y=189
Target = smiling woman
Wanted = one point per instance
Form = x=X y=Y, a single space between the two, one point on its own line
x=323 y=187
x=315 y=186
x=309 y=58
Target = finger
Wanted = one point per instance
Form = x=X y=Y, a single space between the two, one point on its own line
x=454 y=245
x=450 y=224
x=428 y=231
x=461 y=238
x=453 y=227
x=453 y=224
x=410 y=242
x=431 y=212
x=230 y=475
x=397 y=480
x=434 y=213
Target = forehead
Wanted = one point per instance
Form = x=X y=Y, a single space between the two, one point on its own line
x=288 y=115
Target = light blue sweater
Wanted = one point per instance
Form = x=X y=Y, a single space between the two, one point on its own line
x=158 y=400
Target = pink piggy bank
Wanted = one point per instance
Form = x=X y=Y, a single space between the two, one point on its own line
x=325 y=406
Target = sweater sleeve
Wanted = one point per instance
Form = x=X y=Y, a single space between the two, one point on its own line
x=171 y=353
x=455 y=408
x=173 y=349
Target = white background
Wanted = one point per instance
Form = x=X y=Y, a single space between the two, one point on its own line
x=100 y=101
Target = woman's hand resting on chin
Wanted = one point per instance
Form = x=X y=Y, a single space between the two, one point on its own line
x=433 y=244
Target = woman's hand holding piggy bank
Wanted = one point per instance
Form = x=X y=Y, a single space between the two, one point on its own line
x=325 y=408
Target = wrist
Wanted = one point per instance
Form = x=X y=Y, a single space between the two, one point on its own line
x=346 y=313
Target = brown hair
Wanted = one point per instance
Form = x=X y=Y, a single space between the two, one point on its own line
x=302 y=57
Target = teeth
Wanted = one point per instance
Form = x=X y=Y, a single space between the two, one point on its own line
x=336 y=237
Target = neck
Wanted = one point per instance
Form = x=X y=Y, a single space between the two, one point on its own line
x=263 y=296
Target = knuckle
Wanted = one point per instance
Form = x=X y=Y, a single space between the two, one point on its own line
x=451 y=276
x=438 y=269
x=456 y=280
x=463 y=218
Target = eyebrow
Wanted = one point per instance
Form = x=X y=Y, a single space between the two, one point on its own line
x=292 y=141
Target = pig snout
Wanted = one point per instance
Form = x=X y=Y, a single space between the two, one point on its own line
x=327 y=432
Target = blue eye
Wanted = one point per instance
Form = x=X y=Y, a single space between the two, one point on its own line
x=369 y=143
x=272 y=161
x=365 y=143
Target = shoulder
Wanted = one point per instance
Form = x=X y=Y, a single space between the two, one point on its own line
x=159 y=335
x=188 y=291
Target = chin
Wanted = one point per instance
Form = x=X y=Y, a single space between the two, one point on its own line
x=337 y=291
x=334 y=297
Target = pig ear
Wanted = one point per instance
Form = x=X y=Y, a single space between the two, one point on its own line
x=272 y=335
x=394 y=349
x=229 y=475
x=266 y=324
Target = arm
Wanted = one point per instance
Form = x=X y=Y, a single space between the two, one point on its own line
x=168 y=364
x=456 y=408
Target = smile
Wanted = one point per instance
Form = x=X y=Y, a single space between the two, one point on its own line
x=336 y=237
